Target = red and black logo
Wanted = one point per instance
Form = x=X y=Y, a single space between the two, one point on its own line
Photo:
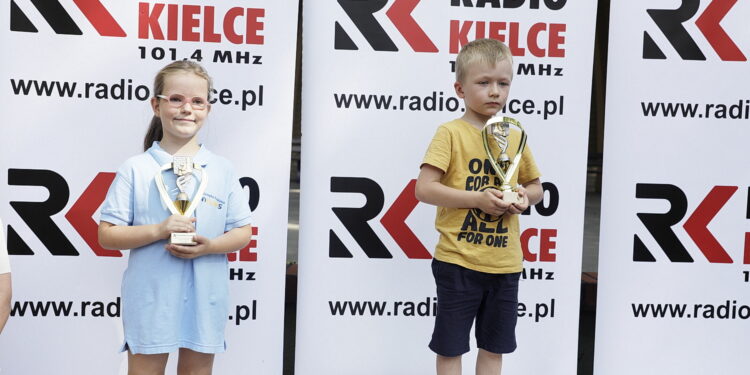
x=38 y=216
x=539 y=39
x=661 y=225
x=362 y=14
x=356 y=220
x=157 y=21
x=537 y=245
x=671 y=23
x=61 y=22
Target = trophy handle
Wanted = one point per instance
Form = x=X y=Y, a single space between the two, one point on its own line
x=165 y=196
x=508 y=175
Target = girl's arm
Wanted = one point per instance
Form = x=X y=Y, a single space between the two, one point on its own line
x=228 y=242
x=124 y=237
x=5 y=296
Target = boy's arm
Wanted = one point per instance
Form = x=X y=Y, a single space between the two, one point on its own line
x=531 y=192
x=534 y=191
x=430 y=190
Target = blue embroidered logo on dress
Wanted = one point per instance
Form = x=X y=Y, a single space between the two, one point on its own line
x=213 y=201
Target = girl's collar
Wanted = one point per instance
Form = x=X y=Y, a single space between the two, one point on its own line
x=163 y=157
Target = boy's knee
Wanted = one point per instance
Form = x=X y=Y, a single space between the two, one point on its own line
x=487 y=352
x=490 y=356
x=441 y=359
x=448 y=365
x=448 y=358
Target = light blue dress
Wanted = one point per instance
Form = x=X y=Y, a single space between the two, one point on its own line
x=169 y=302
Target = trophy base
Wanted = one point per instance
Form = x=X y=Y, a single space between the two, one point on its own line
x=182 y=239
x=511 y=197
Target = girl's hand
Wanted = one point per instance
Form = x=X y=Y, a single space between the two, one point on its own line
x=518 y=208
x=176 y=224
x=191 y=251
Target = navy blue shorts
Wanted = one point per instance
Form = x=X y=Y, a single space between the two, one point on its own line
x=464 y=295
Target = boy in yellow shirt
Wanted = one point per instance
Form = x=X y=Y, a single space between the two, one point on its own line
x=478 y=258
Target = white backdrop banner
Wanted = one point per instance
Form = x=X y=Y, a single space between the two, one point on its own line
x=674 y=249
x=76 y=79
x=377 y=81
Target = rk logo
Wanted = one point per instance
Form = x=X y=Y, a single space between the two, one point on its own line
x=38 y=216
x=356 y=221
x=362 y=14
x=61 y=22
x=660 y=225
x=670 y=22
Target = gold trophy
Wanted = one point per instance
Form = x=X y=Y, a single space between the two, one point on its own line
x=499 y=129
x=185 y=169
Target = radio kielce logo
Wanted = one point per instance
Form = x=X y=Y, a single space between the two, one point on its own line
x=39 y=216
x=362 y=14
x=663 y=226
x=672 y=23
x=61 y=22
x=156 y=21
x=538 y=244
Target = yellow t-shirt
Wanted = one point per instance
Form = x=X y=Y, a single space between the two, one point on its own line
x=469 y=237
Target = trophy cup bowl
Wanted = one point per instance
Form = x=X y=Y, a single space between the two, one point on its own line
x=497 y=129
x=181 y=203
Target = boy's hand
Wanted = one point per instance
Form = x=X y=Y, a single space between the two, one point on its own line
x=518 y=208
x=491 y=202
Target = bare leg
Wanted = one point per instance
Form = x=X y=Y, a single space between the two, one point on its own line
x=448 y=365
x=194 y=363
x=147 y=364
x=489 y=363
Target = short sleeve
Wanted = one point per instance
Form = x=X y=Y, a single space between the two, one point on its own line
x=118 y=205
x=4 y=261
x=439 y=151
x=238 y=208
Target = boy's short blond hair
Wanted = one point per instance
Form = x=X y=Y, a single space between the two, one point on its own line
x=486 y=51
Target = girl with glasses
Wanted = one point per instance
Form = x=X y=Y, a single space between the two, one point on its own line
x=175 y=296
